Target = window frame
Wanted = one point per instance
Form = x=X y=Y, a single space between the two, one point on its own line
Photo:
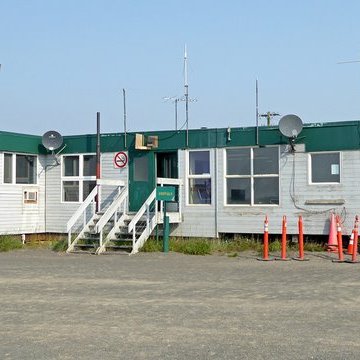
x=251 y=176
x=198 y=177
x=310 y=182
x=13 y=169
x=76 y=178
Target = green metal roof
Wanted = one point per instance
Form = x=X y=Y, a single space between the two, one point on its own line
x=316 y=137
x=20 y=143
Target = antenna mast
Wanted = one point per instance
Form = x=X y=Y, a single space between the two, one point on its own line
x=257 y=111
x=186 y=94
x=124 y=99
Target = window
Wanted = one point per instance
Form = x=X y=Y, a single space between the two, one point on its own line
x=252 y=176
x=8 y=168
x=78 y=177
x=141 y=169
x=325 y=168
x=71 y=165
x=199 y=179
x=21 y=168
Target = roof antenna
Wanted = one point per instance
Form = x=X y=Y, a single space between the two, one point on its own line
x=257 y=111
x=124 y=101
x=269 y=115
x=186 y=94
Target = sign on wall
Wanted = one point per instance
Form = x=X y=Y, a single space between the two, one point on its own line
x=120 y=160
x=165 y=193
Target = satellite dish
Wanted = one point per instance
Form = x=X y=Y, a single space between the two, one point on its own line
x=52 y=140
x=290 y=126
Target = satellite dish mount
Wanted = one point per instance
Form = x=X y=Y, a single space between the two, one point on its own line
x=291 y=126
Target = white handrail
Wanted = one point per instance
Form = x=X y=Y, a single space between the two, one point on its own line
x=169 y=181
x=81 y=209
x=142 y=210
x=111 y=210
x=110 y=182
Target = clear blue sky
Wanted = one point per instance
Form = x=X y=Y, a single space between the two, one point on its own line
x=64 y=60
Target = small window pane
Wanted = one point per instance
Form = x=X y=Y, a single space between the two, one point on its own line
x=71 y=191
x=325 y=168
x=25 y=169
x=89 y=165
x=238 y=191
x=71 y=166
x=87 y=188
x=238 y=162
x=266 y=190
x=8 y=168
x=266 y=161
x=141 y=169
x=199 y=191
x=199 y=162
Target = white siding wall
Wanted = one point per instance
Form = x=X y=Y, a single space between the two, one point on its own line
x=198 y=220
x=250 y=219
x=295 y=190
x=17 y=217
x=58 y=213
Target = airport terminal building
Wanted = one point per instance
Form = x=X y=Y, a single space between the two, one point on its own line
x=225 y=180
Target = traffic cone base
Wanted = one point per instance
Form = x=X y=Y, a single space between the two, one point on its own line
x=268 y=259
x=332 y=242
x=352 y=262
x=282 y=259
x=300 y=259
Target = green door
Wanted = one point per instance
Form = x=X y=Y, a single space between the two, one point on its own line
x=141 y=177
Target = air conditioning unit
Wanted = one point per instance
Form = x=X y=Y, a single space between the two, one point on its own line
x=152 y=142
x=146 y=142
x=30 y=196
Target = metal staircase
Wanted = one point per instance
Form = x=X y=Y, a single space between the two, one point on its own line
x=114 y=229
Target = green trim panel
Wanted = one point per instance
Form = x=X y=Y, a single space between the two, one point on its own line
x=334 y=136
x=13 y=142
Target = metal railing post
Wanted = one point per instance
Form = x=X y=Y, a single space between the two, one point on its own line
x=147 y=217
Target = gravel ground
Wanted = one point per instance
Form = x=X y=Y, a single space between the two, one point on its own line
x=174 y=306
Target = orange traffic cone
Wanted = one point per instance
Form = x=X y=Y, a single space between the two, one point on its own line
x=350 y=248
x=332 y=243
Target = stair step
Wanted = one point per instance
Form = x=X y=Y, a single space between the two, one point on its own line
x=110 y=246
x=82 y=252
x=86 y=245
x=126 y=236
x=114 y=249
x=116 y=252
x=123 y=240
x=89 y=240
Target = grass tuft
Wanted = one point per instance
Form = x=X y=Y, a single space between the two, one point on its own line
x=313 y=247
x=59 y=245
x=191 y=246
x=204 y=246
x=8 y=243
x=152 y=245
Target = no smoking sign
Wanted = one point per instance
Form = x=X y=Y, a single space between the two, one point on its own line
x=120 y=160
